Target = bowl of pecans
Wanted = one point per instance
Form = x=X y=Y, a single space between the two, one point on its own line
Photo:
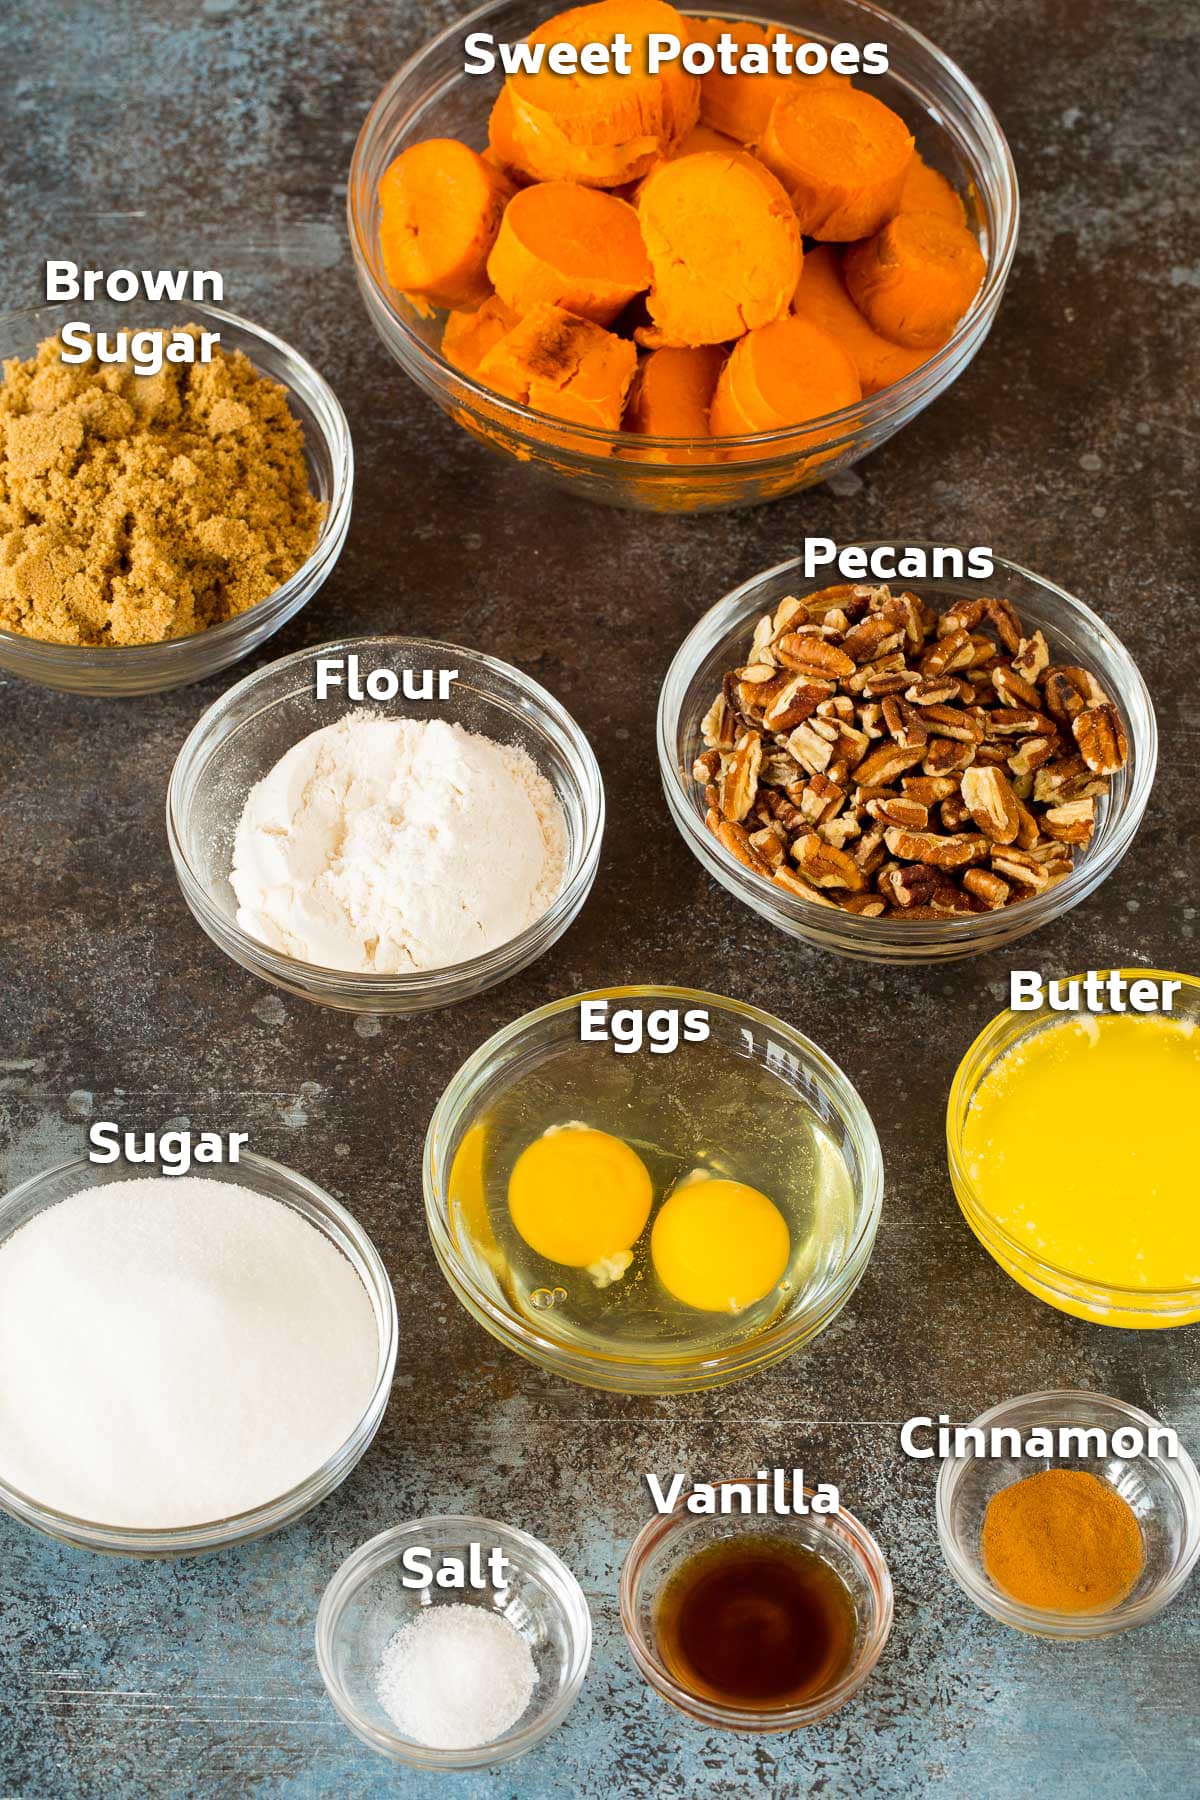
x=906 y=775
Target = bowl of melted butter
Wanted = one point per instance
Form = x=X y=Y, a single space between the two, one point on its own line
x=652 y=1189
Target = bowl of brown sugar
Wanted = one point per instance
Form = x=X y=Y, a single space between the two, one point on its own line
x=159 y=523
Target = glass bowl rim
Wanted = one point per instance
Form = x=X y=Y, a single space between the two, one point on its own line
x=871 y=412
x=335 y=431
x=1124 y=1615
x=271 y=1515
x=872 y=1563
x=985 y=1042
x=372 y=1556
x=729 y=1363
x=735 y=610
x=293 y=973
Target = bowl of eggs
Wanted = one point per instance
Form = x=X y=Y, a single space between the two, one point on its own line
x=691 y=283
x=652 y=1189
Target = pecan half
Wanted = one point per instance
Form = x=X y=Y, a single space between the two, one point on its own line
x=989 y=798
x=1101 y=738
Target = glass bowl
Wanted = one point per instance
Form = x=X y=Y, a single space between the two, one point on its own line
x=1164 y=1493
x=954 y=129
x=1105 y=1304
x=365 y=1604
x=807 y=1080
x=344 y=1232
x=720 y=641
x=120 y=670
x=245 y=732
x=837 y=1538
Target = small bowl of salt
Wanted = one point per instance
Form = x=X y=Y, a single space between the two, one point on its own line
x=453 y=1677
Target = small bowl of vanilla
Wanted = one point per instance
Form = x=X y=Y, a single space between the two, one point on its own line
x=387 y=824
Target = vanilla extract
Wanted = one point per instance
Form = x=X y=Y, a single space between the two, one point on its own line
x=756 y=1622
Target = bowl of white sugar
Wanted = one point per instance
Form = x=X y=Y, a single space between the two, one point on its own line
x=189 y=1361
x=386 y=824
x=453 y=1642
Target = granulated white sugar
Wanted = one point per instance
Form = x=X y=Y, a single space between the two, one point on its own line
x=455 y=1677
x=175 y=1351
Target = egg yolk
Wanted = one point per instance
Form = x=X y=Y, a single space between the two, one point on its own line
x=719 y=1245
x=579 y=1197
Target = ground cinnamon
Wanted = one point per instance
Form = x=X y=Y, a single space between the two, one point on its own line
x=1062 y=1541
x=136 y=508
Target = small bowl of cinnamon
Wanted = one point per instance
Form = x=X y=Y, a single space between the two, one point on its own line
x=1053 y=1520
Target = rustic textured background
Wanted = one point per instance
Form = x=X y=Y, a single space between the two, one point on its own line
x=219 y=134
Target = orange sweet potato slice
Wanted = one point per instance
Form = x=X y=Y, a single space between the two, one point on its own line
x=600 y=130
x=569 y=246
x=783 y=374
x=671 y=397
x=740 y=105
x=842 y=155
x=442 y=206
x=925 y=190
x=468 y=336
x=559 y=364
x=915 y=278
x=724 y=247
x=821 y=298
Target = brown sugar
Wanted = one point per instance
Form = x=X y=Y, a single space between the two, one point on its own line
x=136 y=508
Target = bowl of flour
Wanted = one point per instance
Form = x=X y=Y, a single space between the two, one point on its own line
x=190 y=1362
x=386 y=824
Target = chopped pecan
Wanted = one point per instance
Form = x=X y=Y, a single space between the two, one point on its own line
x=954 y=812
x=769 y=844
x=706 y=765
x=739 y=777
x=1071 y=823
x=795 y=884
x=841 y=830
x=986 y=886
x=718 y=728
x=886 y=764
x=953 y=651
x=737 y=841
x=898 y=809
x=1030 y=754
x=826 y=866
x=1018 y=866
x=1032 y=658
x=1013 y=689
x=868 y=906
x=940 y=852
x=812 y=656
x=877 y=635
x=1101 y=738
x=929 y=789
x=989 y=798
x=932 y=690
x=795 y=701
x=945 y=756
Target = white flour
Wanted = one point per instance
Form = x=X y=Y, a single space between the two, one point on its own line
x=383 y=845
x=176 y=1350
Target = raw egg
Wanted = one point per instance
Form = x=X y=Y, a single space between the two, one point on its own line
x=580 y=1197
x=718 y=1245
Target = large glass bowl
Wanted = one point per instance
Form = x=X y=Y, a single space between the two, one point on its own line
x=366 y=1603
x=1102 y=1303
x=955 y=130
x=721 y=640
x=1163 y=1491
x=120 y=670
x=343 y=1232
x=244 y=733
x=809 y=1082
